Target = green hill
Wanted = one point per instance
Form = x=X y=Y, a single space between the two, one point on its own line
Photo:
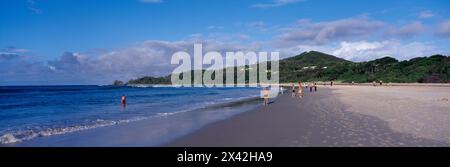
x=434 y=69
x=310 y=66
x=317 y=66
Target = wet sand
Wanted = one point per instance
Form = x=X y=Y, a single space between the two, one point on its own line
x=338 y=116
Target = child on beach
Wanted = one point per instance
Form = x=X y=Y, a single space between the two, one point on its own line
x=266 y=96
x=293 y=91
x=299 y=92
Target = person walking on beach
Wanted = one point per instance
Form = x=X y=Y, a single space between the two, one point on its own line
x=315 y=87
x=310 y=87
x=293 y=91
x=124 y=100
x=331 y=83
x=300 y=91
x=266 y=96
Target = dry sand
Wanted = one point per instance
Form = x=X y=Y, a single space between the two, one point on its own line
x=421 y=111
x=338 y=116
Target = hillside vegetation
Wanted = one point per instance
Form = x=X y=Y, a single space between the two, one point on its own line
x=317 y=66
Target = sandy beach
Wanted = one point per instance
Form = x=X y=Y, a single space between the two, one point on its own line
x=338 y=116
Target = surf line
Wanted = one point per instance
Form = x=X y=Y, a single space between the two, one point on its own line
x=194 y=157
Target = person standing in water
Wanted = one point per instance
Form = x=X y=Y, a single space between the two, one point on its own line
x=266 y=96
x=124 y=100
x=300 y=91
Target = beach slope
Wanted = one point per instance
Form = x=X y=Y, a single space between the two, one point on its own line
x=337 y=116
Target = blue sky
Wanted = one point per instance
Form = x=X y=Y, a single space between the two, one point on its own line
x=94 y=42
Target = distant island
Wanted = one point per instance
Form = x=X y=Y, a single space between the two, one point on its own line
x=316 y=66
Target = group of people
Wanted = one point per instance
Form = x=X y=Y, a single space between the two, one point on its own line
x=379 y=82
x=299 y=90
x=296 y=91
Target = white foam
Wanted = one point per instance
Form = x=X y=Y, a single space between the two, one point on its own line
x=8 y=138
x=20 y=136
x=164 y=114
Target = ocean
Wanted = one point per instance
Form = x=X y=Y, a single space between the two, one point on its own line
x=29 y=112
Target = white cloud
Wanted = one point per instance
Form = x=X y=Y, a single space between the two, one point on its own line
x=14 y=50
x=406 y=31
x=257 y=26
x=286 y=52
x=216 y=36
x=443 y=29
x=320 y=33
x=149 y=58
x=426 y=14
x=151 y=1
x=275 y=3
x=365 y=51
x=32 y=7
x=212 y=27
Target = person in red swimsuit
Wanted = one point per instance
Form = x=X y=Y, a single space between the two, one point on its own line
x=124 y=100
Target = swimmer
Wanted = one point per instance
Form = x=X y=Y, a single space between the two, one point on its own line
x=124 y=100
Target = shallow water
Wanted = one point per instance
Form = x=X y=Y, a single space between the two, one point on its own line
x=28 y=112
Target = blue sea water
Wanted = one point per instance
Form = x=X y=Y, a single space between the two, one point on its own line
x=27 y=112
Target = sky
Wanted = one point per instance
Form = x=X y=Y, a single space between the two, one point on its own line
x=60 y=42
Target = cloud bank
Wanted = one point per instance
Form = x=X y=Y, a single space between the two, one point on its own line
x=406 y=31
x=149 y=58
x=367 y=50
x=320 y=33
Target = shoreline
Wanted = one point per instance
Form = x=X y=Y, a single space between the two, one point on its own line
x=320 y=119
x=321 y=83
x=338 y=116
x=146 y=132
